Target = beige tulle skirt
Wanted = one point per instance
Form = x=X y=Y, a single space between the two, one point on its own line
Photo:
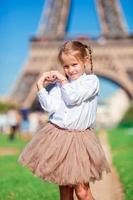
x=65 y=157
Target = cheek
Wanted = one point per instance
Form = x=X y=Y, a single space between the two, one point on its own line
x=79 y=66
x=82 y=68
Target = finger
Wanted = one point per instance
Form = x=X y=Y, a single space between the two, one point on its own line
x=48 y=77
x=51 y=80
x=54 y=76
x=48 y=81
x=51 y=76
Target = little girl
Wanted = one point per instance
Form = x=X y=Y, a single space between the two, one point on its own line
x=66 y=151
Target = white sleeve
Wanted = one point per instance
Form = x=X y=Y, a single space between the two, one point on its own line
x=48 y=99
x=75 y=94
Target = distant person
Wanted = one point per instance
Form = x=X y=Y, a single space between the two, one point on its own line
x=25 y=120
x=66 y=151
x=3 y=123
x=14 y=119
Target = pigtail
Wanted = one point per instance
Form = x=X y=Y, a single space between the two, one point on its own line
x=90 y=56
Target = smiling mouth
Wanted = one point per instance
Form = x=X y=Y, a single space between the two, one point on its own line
x=73 y=74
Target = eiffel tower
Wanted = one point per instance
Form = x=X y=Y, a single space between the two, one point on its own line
x=113 y=51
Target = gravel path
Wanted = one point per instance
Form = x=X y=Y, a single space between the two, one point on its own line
x=8 y=151
x=110 y=187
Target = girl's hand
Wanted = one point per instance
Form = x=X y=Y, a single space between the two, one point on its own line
x=59 y=77
x=51 y=77
x=45 y=79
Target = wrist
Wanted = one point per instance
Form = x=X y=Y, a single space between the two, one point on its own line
x=39 y=87
x=63 y=81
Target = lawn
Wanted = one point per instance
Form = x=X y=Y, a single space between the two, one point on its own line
x=18 y=183
x=17 y=143
x=121 y=141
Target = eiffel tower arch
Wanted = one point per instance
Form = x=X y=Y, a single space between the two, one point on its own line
x=113 y=51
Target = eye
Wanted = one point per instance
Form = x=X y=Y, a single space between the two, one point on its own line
x=65 y=66
x=74 y=64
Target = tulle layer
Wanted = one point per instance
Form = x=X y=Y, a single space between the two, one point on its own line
x=65 y=157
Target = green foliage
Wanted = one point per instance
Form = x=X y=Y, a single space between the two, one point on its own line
x=127 y=120
x=121 y=141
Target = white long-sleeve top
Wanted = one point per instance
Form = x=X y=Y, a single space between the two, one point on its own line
x=72 y=105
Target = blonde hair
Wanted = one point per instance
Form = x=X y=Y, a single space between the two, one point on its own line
x=78 y=49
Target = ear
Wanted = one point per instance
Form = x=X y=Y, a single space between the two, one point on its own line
x=86 y=60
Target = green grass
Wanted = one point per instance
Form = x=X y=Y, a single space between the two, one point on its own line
x=121 y=141
x=17 y=142
x=17 y=182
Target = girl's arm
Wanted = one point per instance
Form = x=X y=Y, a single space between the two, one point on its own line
x=46 y=99
x=77 y=92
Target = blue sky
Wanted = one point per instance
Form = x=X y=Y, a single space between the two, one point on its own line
x=83 y=19
x=19 y=20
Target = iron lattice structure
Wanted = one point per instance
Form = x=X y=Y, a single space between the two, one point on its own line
x=112 y=21
x=113 y=56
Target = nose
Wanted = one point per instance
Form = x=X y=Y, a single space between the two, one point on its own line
x=71 y=69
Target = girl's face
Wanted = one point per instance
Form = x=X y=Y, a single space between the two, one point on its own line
x=73 y=68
